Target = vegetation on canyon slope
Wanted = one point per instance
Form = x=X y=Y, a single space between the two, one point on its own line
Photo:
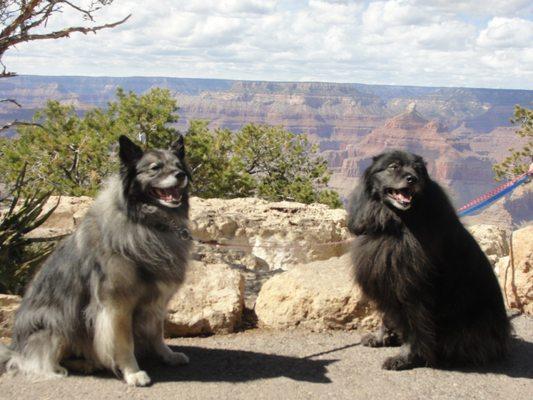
x=519 y=160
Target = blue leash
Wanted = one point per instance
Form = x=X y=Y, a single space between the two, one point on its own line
x=495 y=194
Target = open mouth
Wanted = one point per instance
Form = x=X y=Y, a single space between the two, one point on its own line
x=401 y=198
x=168 y=196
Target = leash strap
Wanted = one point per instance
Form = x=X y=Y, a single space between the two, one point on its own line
x=495 y=194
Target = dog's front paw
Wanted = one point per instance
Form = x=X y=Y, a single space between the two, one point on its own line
x=59 y=372
x=175 y=358
x=397 y=363
x=391 y=339
x=139 y=378
x=371 y=340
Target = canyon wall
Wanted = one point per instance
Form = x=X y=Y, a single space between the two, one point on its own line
x=460 y=131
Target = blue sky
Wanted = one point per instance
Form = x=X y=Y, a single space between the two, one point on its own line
x=410 y=42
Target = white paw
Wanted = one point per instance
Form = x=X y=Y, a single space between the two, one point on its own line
x=175 y=358
x=139 y=378
x=59 y=372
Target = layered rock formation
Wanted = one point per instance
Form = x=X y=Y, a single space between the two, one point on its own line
x=464 y=172
x=461 y=131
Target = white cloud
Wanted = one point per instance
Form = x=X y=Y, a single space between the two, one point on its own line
x=230 y=6
x=476 y=7
x=433 y=42
x=507 y=33
x=381 y=15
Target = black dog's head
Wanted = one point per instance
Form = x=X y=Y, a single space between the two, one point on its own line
x=396 y=178
x=155 y=177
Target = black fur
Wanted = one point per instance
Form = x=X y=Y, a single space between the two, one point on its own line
x=424 y=271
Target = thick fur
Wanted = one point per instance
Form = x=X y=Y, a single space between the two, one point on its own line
x=101 y=296
x=424 y=271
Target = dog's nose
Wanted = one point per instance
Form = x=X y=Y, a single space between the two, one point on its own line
x=411 y=179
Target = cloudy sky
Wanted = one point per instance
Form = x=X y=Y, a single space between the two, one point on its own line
x=473 y=43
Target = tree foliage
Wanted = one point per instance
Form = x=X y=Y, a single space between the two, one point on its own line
x=71 y=154
x=257 y=160
x=518 y=161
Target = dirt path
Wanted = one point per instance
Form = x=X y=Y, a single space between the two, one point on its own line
x=295 y=365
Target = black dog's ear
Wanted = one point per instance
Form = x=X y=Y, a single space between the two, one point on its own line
x=178 y=147
x=129 y=152
x=376 y=158
x=357 y=211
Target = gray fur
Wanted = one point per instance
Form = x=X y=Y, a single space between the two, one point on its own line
x=111 y=280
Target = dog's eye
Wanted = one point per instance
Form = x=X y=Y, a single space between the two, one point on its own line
x=393 y=166
x=155 y=167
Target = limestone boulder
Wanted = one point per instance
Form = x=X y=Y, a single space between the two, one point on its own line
x=492 y=239
x=279 y=235
x=210 y=301
x=68 y=214
x=8 y=306
x=516 y=277
x=317 y=296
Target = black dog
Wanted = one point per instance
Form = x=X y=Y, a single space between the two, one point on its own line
x=424 y=271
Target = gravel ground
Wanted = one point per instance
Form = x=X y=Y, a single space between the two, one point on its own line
x=295 y=364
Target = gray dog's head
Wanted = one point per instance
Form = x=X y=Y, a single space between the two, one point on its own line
x=396 y=178
x=155 y=177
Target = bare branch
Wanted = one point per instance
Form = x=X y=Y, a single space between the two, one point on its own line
x=26 y=12
x=19 y=123
x=4 y=73
x=86 y=13
x=15 y=102
x=20 y=18
x=62 y=33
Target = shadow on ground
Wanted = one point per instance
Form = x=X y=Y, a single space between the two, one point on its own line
x=215 y=365
x=220 y=365
x=519 y=364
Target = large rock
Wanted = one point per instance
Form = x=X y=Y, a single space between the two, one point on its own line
x=492 y=239
x=279 y=234
x=317 y=296
x=8 y=306
x=517 y=276
x=68 y=214
x=211 y=300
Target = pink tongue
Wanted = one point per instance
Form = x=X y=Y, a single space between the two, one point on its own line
x=403 y=197
x=168 y=194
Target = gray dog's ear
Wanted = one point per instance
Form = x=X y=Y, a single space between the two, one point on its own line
x=178 y=147
x=129 y=152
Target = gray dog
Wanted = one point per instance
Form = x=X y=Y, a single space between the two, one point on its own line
x=101 y=297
